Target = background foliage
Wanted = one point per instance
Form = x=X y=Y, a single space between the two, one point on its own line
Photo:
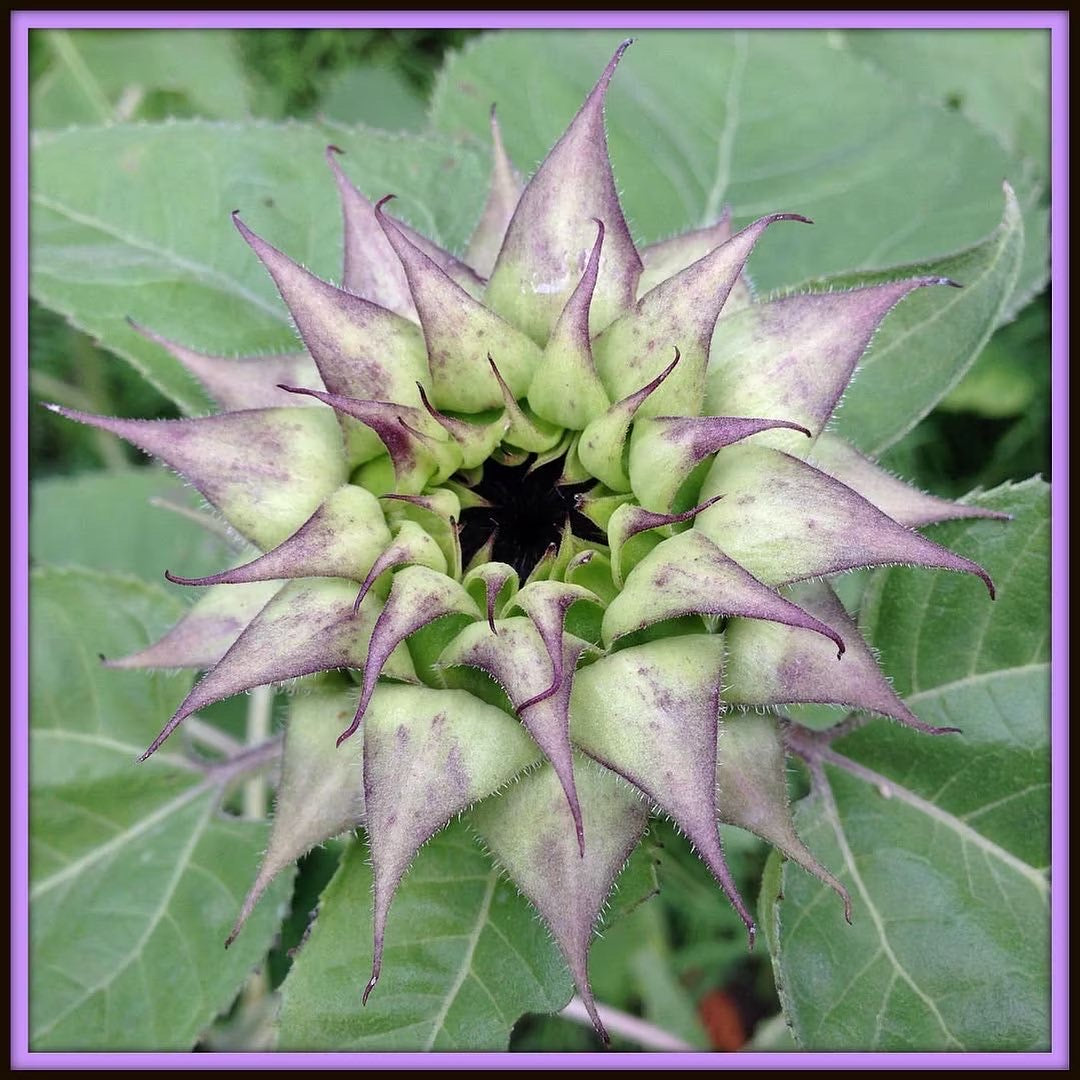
x=896 y=145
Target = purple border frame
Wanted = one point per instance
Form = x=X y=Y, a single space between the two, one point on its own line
x=1054 y=21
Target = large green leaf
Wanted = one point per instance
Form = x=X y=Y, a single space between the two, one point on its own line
x=135 y=872
x=375 y=94
x=73 y=521
x=97 y=76
x=943 y=842
x=134 y=221
x=998 y=78
x=765 y=121
x=465 y=957
x=926 y=345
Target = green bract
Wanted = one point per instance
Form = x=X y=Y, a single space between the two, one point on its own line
x=558 y=695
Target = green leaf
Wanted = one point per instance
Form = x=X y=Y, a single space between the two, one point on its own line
x=928 y=342
x=375 y=94
x=1012 y=373
x=73 y=520
x=134 y=221
x=1000 y=79
x=136 y=874
x=943 y=842
x=465 y=957
x=98 y=76
x=764 y=121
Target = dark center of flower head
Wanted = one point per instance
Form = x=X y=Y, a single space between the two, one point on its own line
x=527 y=514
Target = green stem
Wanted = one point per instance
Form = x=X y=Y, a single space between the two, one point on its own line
x=259 y=713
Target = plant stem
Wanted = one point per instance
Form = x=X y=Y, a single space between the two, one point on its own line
x=259 y=713
x=630 y=1027
x=247 y=761
x=205 y=734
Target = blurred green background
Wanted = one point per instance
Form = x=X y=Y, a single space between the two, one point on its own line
x=680 y=959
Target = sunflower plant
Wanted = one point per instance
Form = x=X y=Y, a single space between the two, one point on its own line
x=544 y=540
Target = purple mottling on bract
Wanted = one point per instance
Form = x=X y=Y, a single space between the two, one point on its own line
x=246 y=382
x=573 y=324
x=454 y=323
x=417 y=597
x=518 y=660
x=668 y=257
x=383 y=417
x=683 y=312
x=675 y=734
x=528 y=833
x=325 y=315
x=300 y=632
x=502 y=200
x=372 y=269
x=194 y=642
x=700 y=436
x=903 y=503
x=412 y=788
x=547 y=243
x=689 y=574
x=848 y=531
x=800 y=670
x=804 y=348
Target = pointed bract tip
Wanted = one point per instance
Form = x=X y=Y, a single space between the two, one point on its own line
x=379 y=205
x=651 y=386
x=232 y=936
x=370 y=986
x=244 y=231
x=360 y=598
x=605 y=1038
x=332 y=149
x=751 y=936
x=605 y=79
x=297 y=390
x=536 y=699
x=350 y=731
x=426 y=402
